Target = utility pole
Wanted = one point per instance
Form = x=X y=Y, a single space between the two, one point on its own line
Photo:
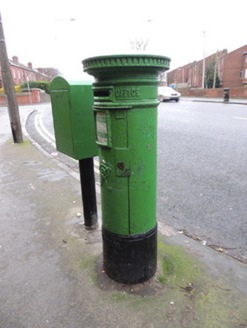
x=9 y=89
x=215 y=67
x=203 y=68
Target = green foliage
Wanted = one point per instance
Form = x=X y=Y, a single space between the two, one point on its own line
x=17 y=89
x=210 y=82
x=209 y=79
x=44 y=85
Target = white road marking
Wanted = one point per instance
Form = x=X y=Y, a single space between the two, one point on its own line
x=39 y=130
x=173 y=109
x=240 y=118
x=43 y=128
x=45 y=134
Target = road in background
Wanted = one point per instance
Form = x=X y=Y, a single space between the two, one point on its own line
x=202 y=172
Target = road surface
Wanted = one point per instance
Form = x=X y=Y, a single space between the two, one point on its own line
x=202 y=171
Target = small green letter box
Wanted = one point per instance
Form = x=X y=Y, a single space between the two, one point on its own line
x=73 y=118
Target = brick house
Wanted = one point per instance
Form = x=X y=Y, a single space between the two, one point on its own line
x=195 y=70
x=235 y=68
x=22 y=73
x=232 y=70
x=179 y=76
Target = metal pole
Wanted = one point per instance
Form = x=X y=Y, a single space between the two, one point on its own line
x=203 y=68
x=86 y=167
x=30 y=100
x=215 y=68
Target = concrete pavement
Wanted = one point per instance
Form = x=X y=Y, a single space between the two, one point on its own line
x=216 y=100
x=51 y=272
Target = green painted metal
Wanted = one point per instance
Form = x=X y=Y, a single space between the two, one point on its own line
x=125 y=105
x=73 y=118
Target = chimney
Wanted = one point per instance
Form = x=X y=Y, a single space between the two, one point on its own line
x=15 y=59
x=30 y=65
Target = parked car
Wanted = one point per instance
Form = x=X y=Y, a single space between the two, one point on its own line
x=167 y=93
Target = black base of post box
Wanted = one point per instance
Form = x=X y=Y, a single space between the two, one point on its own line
x=130 y=259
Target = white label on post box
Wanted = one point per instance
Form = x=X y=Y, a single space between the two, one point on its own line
x=101 y=125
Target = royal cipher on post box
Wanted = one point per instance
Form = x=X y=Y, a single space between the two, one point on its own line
x=73 y=118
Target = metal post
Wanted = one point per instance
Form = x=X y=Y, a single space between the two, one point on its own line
x=86 y=167
x=215 y=68
x=30 y=101
x=203 y=68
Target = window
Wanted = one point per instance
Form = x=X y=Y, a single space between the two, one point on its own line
x=14 y=73
x=246 y=58
x=245 y=76
x=241 y=74
x=19 y=74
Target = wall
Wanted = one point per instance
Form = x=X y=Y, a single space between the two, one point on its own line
x=23 y=98
x=45 y=97
x=214 y=93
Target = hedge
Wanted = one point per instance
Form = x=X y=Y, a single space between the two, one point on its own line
x=17 y=89
x=44 y=85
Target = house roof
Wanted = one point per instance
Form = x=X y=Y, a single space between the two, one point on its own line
x=19 y=65
x=12 y=63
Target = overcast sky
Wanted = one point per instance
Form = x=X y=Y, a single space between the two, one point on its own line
x=60 y=34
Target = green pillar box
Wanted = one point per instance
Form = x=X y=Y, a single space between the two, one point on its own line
x=125 y=106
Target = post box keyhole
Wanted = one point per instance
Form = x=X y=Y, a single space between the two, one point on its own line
x=120 y=165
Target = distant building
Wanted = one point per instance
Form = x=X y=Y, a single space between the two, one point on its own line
x=22 y=73
x=231 y=68
x=235 y=68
